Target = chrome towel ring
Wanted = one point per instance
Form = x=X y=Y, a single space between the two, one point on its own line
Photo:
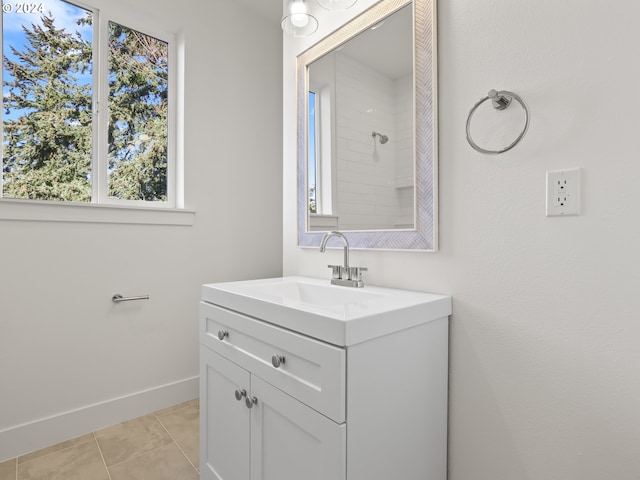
x=500 y=100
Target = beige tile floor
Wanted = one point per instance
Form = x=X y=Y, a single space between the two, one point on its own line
x=159 y=446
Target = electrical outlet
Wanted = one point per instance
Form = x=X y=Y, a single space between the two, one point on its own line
x=563 y=192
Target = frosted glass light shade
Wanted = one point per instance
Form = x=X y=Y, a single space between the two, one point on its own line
x=297 y=21
x=337 y=4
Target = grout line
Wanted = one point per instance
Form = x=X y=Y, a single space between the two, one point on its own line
x=139 y=454
x=177 y=444
x=95 y=438
x=18 y=462
x=142 y=454
x=149 y=452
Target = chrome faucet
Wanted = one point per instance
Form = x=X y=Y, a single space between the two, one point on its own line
x=345 y=242
x=345 y=275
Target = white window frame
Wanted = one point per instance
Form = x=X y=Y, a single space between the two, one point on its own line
x=103 y=209
x=327 y=151
x=317 y=173
x=325 y=157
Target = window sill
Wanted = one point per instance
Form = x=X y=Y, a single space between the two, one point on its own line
x=43 y=211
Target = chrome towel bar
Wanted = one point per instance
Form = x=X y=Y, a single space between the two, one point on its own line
x=500 y=100
x=117 y=298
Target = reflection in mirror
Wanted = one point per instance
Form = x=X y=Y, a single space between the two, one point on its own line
x=366 y=122
x=360 y=158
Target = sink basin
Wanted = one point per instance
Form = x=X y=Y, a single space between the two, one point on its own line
x=301 y=293
x=339 y=315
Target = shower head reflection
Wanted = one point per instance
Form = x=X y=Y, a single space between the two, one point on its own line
x=383 y=138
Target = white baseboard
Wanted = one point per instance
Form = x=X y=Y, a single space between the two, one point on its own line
x=31 y=436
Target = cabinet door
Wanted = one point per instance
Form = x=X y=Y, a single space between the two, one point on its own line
x=290 y=441
x=224 y=421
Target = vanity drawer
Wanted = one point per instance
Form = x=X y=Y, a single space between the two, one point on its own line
x=312 y=371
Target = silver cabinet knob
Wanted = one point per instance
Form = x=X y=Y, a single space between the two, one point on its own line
x=240 y=394
x=250 y=401
x=277 y=360
x=222 y=334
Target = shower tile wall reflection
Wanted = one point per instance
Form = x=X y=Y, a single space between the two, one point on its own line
x=375 y=179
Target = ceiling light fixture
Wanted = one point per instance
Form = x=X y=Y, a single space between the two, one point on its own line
x=296 y=19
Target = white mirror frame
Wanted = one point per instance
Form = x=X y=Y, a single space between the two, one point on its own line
x=424 y=235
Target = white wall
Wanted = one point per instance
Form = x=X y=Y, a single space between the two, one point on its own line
x=64 y=346
x=545 y=363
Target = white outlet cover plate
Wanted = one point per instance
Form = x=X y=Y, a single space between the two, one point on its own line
x=563 y=193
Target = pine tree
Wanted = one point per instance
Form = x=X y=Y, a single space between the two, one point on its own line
x=48 y=134
x=138 y=80
x=47 y=148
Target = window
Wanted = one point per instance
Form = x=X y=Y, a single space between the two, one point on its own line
x=88 y=107
x=319 y=152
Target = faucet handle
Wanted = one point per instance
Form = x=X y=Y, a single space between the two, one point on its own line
x=355 y=273
x=335 y=271
x=345 y=273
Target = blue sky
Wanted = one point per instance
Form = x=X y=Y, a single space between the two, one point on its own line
x=65 y=15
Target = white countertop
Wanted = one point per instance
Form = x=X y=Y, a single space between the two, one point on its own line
x=342 y=316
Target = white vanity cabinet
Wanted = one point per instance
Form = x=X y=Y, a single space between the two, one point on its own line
x=280 y=404
x=251 y=428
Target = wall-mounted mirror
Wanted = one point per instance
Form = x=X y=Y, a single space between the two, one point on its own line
x=367 y=130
